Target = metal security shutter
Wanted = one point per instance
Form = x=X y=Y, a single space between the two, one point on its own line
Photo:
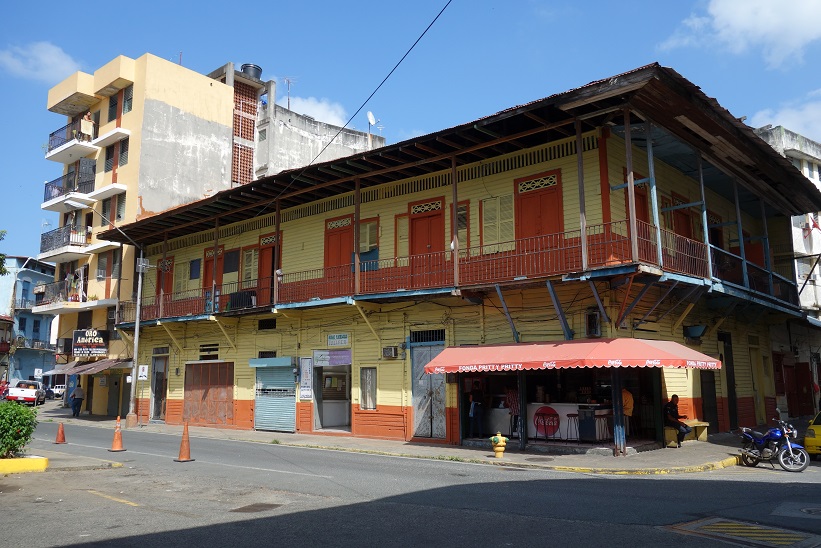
x=275 y=400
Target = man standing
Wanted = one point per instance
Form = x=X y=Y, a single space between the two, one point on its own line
x=627 y=405
x=673 y=419
x=77 y=397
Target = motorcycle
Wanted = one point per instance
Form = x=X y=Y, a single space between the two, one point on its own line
x=775 y=443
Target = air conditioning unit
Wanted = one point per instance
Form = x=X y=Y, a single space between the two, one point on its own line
x=390 y=351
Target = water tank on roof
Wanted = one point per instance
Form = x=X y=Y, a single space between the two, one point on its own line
x=254 y=71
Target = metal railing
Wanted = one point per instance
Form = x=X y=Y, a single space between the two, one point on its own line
x=64 y=236
x=521 y=259
x=66 y=184
x=57 y=292
x=25 y=304
x=69 y=132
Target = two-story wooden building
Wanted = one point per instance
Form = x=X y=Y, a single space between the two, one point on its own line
x=631 y=207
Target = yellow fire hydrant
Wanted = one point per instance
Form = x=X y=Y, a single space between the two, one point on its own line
x=498 y=442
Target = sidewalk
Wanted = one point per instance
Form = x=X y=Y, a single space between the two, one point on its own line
x=719 y=452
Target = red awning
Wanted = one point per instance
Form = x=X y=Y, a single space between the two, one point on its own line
x=621 y=352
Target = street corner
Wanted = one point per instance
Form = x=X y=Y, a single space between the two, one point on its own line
x=23 y=465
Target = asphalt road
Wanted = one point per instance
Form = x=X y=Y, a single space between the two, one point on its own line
x=241 y=493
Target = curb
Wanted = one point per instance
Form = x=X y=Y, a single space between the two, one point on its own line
x=104 y=464
x=23 y=465
x=725 y=463
x=706 y=467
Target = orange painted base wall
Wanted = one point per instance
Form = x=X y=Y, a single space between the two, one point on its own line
x=243 y=414
x=389 y=422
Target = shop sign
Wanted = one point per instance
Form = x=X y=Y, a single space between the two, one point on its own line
x=306 y=378
x=331 y=358
x=338 y=339
x=90 y=343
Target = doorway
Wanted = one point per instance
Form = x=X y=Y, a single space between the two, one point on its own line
x=709 y=404
x=159 y=387
x=726 y=341
x=428 y=393
x=209 y=393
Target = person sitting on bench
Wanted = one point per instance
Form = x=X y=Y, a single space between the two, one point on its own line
x=673 y=419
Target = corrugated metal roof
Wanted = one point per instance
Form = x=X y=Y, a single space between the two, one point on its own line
x=652 y=91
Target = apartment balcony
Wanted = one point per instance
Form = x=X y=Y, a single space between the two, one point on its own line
x=519 y=261
x=25 y=304
x=37 y=344
x=67 y=194
x=67 y=243
x=107 y=192
x=67 y=297
x=110 y=137
x=69 y=143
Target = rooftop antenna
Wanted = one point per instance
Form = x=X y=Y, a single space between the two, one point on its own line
x=288 y=81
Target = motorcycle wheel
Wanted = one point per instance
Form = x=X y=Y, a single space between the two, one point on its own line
x=797 y=461
x=747 y=460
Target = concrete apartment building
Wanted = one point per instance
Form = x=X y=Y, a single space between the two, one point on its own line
x=26 y=351
x=144 y=136
x=796 y=343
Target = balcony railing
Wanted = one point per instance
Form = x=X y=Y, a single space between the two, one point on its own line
x=58 y=292
x=64 y=236
x=69 y=132
x=37 y=344
x=522 y=259
x=66 y=184
x=25 y=304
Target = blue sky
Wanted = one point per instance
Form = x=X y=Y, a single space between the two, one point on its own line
x=758 y=58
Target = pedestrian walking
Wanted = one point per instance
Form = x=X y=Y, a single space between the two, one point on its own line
x=77 y=397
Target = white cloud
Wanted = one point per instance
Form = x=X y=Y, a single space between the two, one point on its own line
x=804 y=118
x=781 y=30
x=323 y=109
x=41 y=61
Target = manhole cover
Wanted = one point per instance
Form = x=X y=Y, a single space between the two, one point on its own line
x=812 y=511
x=258 y=507
x=539 y=459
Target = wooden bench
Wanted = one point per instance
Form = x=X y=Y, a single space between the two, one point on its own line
x=699 y=432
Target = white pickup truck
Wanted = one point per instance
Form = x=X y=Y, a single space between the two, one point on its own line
x=27 y=392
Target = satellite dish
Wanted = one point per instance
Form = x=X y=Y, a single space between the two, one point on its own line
x=371 y=118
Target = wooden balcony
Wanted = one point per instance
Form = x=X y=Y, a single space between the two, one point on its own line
x=534 y=258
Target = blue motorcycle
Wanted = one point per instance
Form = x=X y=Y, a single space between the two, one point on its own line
x=775 y=444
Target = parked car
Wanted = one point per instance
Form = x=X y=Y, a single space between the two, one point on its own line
x=812 y=437
x=27 y=392
x=59 y=390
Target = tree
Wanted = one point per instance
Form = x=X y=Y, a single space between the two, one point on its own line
x=3 y=270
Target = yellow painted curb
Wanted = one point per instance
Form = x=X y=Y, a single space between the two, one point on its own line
x=725 y=463
x=23 y=465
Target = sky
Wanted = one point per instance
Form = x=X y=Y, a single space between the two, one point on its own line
x=758 y=58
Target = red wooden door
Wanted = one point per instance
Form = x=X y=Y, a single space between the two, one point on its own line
x=209 y=393
x=427 y=246
x=209 y=278
x=265 y=285
x=540 y=245
x=338 y=259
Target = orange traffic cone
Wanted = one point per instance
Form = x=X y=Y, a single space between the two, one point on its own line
x=61 y=434
x=117 y=443
x=185 y=448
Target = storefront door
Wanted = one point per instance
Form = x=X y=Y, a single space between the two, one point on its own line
x=275 y=399
x=428 y=394
x=159 y=386
x=209 y=393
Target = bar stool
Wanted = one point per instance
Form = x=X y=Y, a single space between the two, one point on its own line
x=603 y=427
x=572 y=421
